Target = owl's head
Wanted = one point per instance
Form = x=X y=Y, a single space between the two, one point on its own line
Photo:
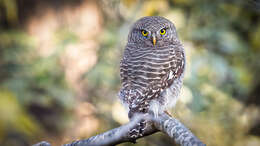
x=153 y=31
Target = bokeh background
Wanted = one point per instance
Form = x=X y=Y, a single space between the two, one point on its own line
x=59 y=69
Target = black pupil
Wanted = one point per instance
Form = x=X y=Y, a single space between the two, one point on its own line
x=162 y=30
x=144 y=31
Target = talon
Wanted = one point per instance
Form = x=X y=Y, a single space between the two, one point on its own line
x=133 y=141
x=168 y=113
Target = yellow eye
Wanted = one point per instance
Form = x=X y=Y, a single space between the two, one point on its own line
x=144 y=33
x=163 y=31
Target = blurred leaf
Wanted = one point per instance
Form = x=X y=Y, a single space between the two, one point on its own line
x=13 y=115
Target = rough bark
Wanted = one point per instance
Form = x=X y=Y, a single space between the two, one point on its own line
x=165 y=123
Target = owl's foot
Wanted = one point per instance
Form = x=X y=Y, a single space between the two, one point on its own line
x=138 y=130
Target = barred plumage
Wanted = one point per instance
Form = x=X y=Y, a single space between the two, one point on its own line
x=152 y=67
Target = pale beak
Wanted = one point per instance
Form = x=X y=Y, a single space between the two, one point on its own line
x=154 y=40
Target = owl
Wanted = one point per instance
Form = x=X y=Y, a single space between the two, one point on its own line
x=152 y=67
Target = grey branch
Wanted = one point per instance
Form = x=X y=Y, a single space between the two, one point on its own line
x=177 y=131
x=169 y=125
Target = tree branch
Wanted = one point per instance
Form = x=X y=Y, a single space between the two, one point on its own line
x=169 y=125
x=176 y=131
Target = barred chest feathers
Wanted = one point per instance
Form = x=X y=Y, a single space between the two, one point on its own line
x=152 y=67
x=151 y=81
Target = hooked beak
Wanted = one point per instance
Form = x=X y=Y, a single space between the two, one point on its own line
x=154 y=39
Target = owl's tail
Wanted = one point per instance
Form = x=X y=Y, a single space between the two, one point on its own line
x=139 y=128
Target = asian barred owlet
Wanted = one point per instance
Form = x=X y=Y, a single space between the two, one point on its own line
x=152 y=67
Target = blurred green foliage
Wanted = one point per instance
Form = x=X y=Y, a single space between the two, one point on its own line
x=59 y=80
